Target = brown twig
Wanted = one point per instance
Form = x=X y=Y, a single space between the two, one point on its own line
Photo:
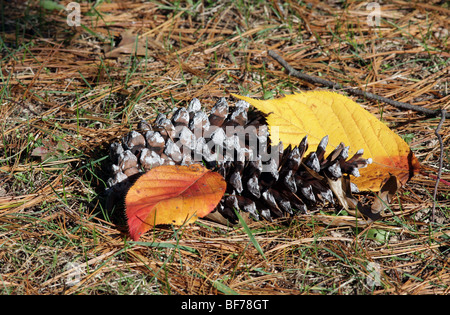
x=441 y=160
x=351 y=90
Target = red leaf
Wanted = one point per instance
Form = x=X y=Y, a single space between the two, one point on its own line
x=172 y=194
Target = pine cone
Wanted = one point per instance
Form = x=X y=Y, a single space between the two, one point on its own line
x=265 y=181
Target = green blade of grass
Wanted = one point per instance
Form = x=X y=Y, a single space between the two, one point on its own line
x=166 y=245
x=223 y=288
x=250 y=234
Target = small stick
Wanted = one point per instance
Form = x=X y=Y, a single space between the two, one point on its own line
x=351 y=90
x=441 y=160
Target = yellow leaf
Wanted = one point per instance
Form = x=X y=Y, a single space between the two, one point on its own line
x=321 y=113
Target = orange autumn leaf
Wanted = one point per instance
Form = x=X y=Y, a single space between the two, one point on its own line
x=320 y=113
x=172 y=194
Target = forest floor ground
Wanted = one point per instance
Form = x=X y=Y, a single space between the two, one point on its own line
x=72 y=90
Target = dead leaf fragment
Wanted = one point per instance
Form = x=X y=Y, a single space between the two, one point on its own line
x=50 y=148
x=383 y=199
x=132 y=44
x=144 y=46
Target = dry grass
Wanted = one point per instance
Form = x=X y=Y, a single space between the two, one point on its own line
x=60 y=90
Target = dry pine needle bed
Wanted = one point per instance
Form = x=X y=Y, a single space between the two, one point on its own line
x=67 y=93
